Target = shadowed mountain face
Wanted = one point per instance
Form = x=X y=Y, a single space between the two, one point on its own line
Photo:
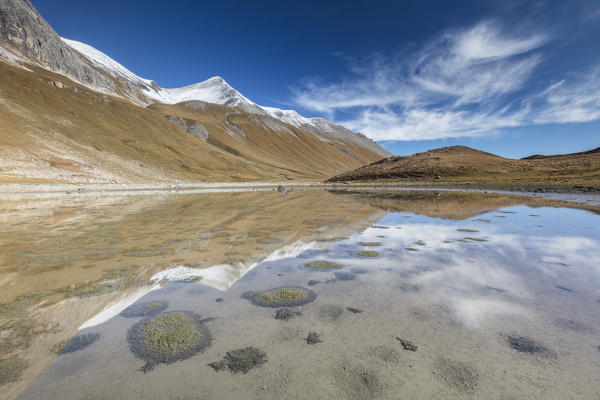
x=460 y=164
x=71 y=114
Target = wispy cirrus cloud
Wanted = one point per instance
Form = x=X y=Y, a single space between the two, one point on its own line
x=460 y=83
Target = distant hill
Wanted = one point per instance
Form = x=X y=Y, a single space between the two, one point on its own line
x=461 y=165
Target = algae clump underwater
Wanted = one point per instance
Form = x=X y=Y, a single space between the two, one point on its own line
x=169 y=337
x=322 y=265
x=281 y=297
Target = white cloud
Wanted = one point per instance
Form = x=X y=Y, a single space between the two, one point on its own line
x=461 y=83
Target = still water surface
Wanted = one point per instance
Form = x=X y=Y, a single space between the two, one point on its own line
x=391 y=295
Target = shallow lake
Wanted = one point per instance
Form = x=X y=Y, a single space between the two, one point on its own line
x=306 y=294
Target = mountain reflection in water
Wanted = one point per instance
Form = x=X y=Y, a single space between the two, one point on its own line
x=464 y=281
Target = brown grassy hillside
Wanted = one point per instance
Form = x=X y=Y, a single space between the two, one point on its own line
x=268 y=142
x=460 y=165
x=54 y=130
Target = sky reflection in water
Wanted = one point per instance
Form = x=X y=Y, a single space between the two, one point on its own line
x=456 y=287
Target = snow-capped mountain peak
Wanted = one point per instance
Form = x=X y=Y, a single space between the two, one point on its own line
x=217 y=91
x=213 y=90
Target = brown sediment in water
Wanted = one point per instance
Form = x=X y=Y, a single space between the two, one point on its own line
x=11 y=369
x=456 y=374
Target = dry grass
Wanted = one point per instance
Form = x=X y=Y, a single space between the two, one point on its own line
x=73 y=134
x=463 y=165
x=269 y=143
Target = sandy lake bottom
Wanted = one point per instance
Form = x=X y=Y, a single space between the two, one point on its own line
x=300 y=295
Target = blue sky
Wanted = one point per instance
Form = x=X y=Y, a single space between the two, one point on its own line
x=512 y=77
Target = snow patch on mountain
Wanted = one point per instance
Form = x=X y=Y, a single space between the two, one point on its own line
x=102 y=60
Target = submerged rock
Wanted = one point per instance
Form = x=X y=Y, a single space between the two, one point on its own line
x=344 y=276
x=146 y=309
x=407 y=344
x=168 y=337
x=241 y=360
x=313 y=338
x=281 y=297
x=354 y=310
x=285 y=314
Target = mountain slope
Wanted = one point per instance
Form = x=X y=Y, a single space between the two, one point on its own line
x=70 y=113
x=265 y=140
x=461 y=164
x=216 y=90
x=55 y=130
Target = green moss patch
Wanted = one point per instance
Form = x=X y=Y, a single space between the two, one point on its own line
x=322 y=265
x=146 y=309
x=241 y=360
x=370 y=244
x=367 y=253
x=281 y=297
x=475 y=239
x=167 y=338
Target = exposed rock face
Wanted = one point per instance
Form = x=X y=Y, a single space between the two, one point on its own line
x=24 y=28
x=194 y=128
